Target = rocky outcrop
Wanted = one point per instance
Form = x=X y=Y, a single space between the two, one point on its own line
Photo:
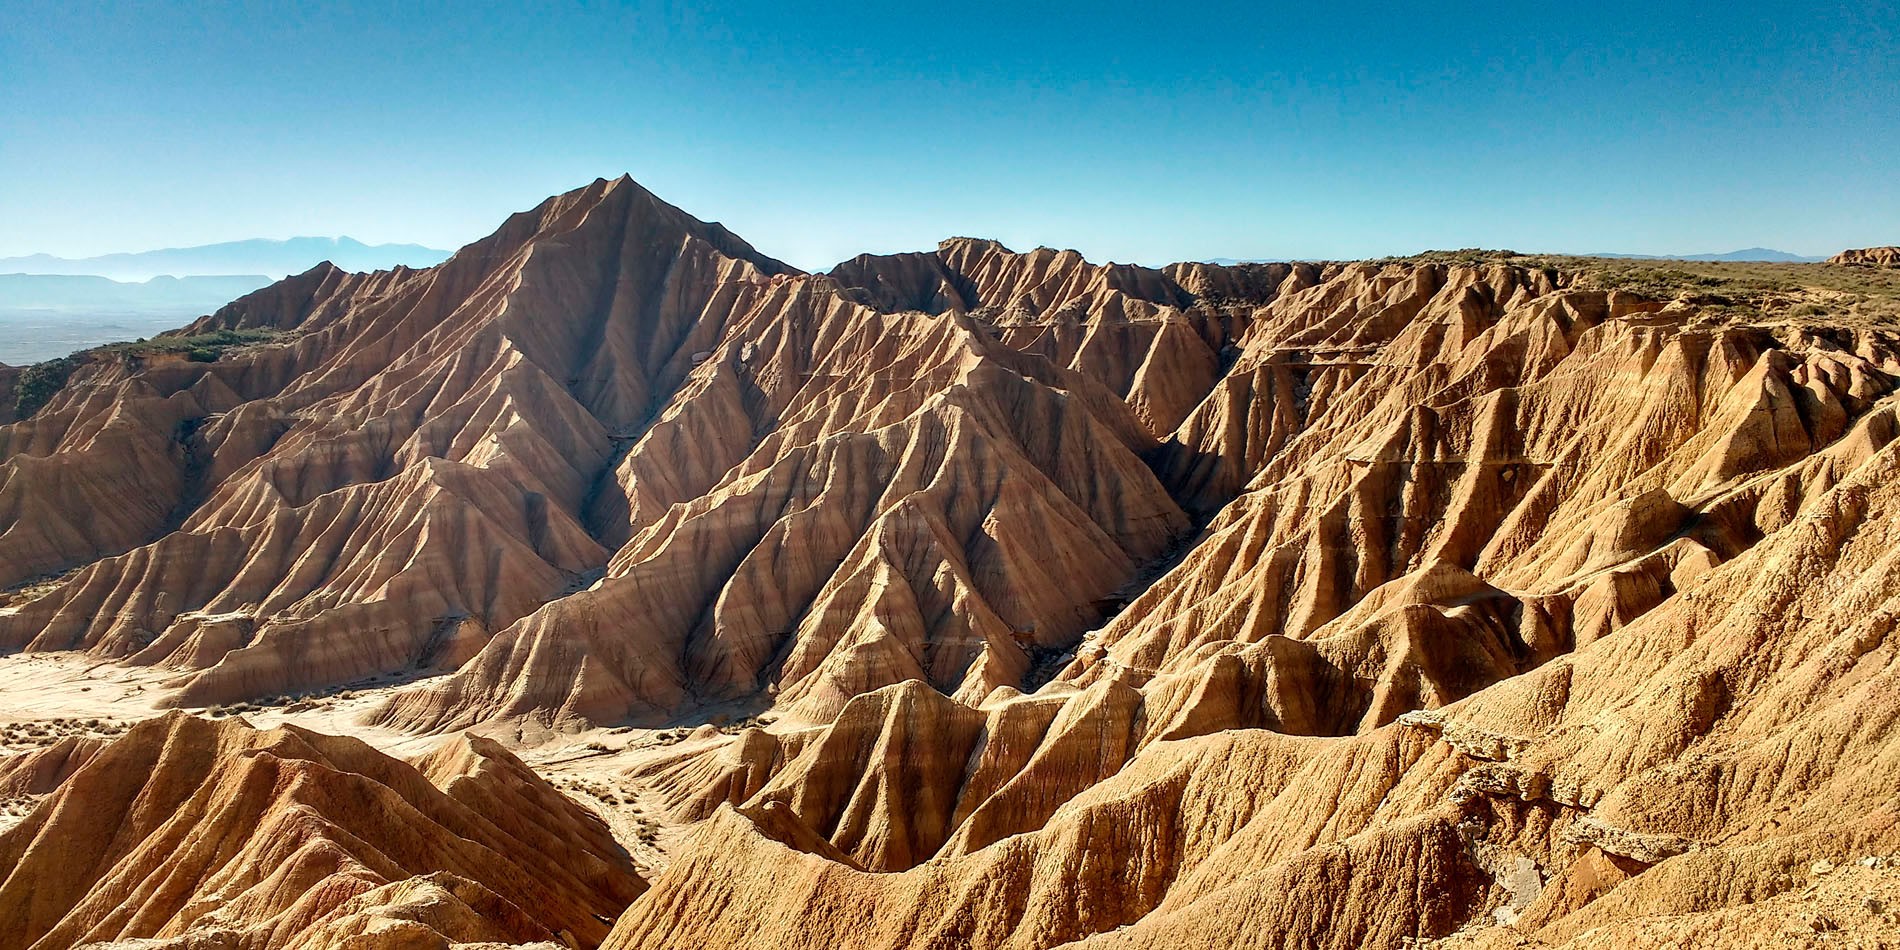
x=1588 y=450
x=191 y=833
x=40 y=771
x=1868 y=257
x=1695 y=761
x=1156 y=338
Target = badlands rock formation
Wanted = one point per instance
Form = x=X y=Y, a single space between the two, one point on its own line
x=1637 y=526
x=199 y=834
x=1316 y=605
x=1868 y=257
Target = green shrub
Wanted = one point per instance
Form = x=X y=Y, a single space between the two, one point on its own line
x=198 y=347
x=39 y=382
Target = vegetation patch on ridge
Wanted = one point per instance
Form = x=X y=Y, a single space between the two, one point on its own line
x=1839 y=293
x=198 y=347
x=39 y=382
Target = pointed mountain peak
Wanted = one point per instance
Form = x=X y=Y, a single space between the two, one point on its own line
x=634 y=208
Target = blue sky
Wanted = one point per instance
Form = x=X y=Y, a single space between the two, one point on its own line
x=1144 y=132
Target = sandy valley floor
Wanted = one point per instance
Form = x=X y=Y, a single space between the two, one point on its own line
x=45 y=697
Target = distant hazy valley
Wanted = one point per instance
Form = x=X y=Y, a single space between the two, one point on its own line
x=51 y=306
x=274 y=258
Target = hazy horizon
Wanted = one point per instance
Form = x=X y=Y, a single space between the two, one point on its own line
x=7 y=263
x=272 y=257
x=6 y=259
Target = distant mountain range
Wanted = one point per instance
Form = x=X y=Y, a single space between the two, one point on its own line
x=47 y=315
x=185 y=296
x=1752 y=254
x=51 y=306
x=275 y=259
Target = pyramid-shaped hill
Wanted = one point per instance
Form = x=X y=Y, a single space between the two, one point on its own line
x=415 y=467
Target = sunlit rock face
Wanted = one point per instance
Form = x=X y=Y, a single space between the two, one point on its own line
x=188 y=833
x=1328 y=605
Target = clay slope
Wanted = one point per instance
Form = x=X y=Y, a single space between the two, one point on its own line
x=1276 y=605
x=1595 y=534
x=1699 y=760
x=841 y=498
x=1475 y=472
x=1868 y=257
x=1402 y=433
x=193 y=833
x=605 y=406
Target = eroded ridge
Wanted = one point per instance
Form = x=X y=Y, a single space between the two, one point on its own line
x=1468 y=597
